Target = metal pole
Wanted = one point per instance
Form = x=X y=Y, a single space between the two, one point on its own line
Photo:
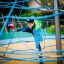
x=58 y=36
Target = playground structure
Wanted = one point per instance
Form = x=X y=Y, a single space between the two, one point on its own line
x=59 y=46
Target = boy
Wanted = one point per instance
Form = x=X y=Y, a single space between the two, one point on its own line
x=35 y=28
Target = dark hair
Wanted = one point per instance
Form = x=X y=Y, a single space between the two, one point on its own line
x=30 y=21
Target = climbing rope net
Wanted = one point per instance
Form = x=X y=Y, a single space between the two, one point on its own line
x=33 y=55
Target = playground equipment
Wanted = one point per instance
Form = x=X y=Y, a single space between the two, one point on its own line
x=58 y=37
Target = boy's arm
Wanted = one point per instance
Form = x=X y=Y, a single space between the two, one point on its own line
x=25 y=29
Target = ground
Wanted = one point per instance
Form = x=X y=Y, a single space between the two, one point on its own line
x=30 y=47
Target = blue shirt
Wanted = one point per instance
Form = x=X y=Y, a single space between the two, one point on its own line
x=36 y=31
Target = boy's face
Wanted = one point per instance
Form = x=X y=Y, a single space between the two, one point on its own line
x=30 y=25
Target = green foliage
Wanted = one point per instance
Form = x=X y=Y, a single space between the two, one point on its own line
x=37 y=13
x=46 y=2
x=62 y=26
x=47 y=13
x=51 y=29
x=27 y=14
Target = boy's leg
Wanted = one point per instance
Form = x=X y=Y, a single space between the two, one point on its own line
x=38 y=47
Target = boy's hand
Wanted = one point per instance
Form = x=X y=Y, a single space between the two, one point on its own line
x=17 y=30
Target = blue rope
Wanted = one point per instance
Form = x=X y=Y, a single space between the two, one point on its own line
x=7 y=19
x=34 y=59
x=9 y=43
x=39 y=18
x=22 y=7
x=33 y=51
x=13 y=2
x=4 y=60
x=25 y=42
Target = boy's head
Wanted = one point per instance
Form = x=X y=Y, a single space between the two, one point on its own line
x=30 y=23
